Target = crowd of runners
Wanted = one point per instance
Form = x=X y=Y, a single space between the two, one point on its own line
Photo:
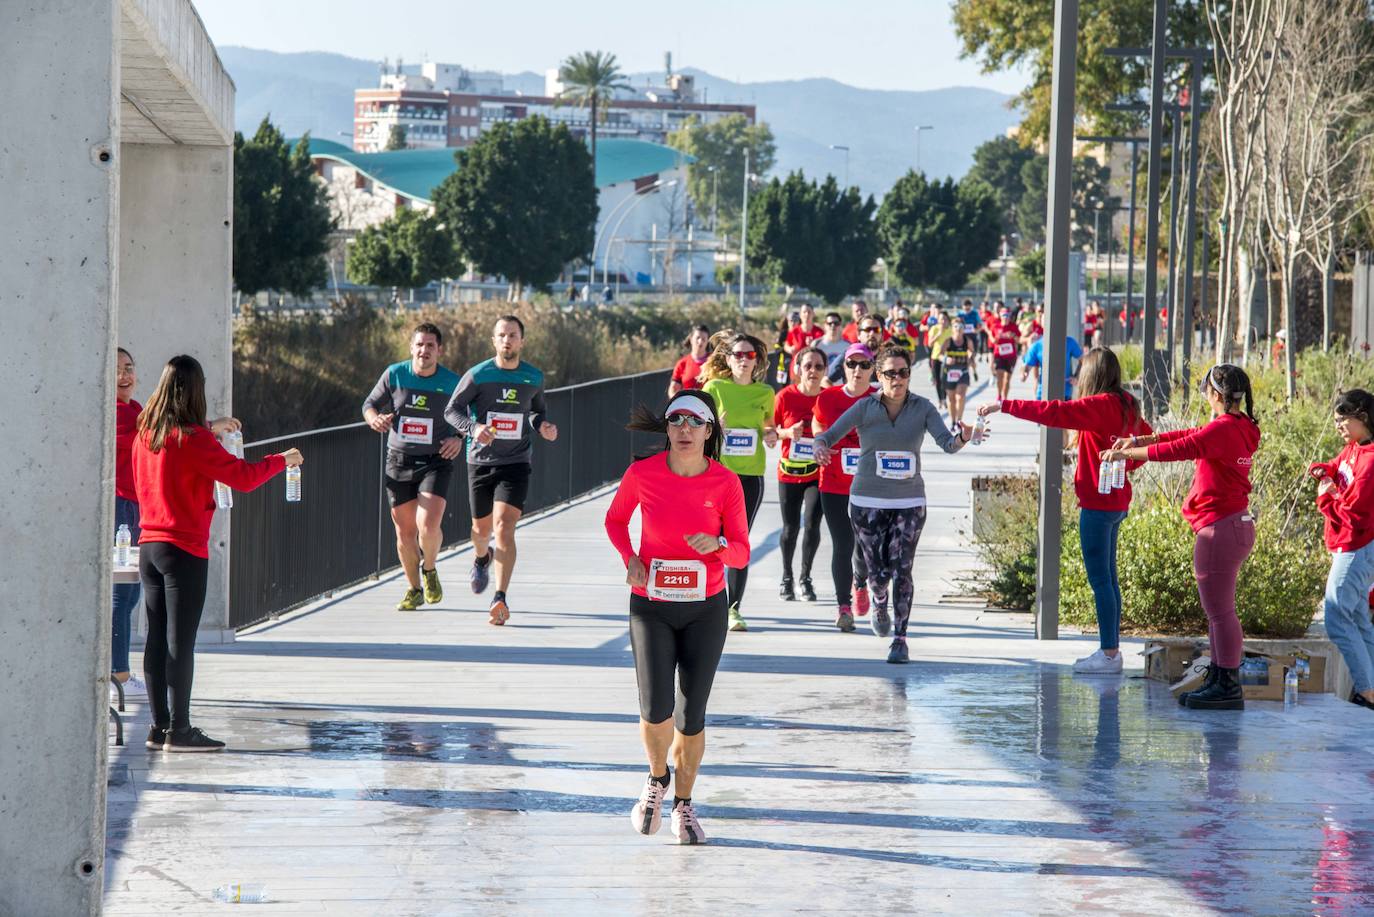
x=848 y=431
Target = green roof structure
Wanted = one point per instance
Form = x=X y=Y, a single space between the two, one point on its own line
x=416 y=173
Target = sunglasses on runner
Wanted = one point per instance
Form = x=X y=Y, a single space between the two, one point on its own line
x=681 y=417
x=867 y=328
x=895 y=373
x=745 y=354
x=831 y=321
x=859 y=364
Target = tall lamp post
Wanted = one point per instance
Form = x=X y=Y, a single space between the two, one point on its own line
x=840 y=146
x=919 y=128
x=610 y=239
x=744 y=233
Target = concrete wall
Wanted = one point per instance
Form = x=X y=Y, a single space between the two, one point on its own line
x=176 y=204
x=57 y=297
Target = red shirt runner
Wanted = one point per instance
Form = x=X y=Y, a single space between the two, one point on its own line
x=1223 y=451
x=176 y=486
x=672 y=507
x=799 y=337
x=791 y=407
x=830 y=404
x=686 y=371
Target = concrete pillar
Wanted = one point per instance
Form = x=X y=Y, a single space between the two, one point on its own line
x=58 y=295
x=176 y=208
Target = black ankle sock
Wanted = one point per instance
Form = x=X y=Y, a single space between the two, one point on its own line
x=662 y=781
x=430 y=570
x=482 y=561
x=679 y=800
x=498 y=596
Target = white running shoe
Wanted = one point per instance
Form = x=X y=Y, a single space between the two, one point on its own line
x=135 y=687
x=1099 y=663
x=686 y=828
x=647 y=814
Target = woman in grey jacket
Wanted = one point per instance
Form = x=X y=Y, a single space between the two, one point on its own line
x=887 y=503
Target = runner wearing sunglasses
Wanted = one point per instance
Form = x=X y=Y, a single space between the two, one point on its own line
x=847 y=568
x=692 y=524
x=871 y=335
x=798 y=473
x=887 y=502
x=744 y=405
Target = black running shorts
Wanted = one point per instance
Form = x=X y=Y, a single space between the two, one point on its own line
x=492 y=484
x=408 y=476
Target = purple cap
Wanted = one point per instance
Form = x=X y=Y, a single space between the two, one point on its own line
x=858 y=350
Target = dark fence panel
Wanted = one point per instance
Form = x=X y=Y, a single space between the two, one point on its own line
x=284 y=554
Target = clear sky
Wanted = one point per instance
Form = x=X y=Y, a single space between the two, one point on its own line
x=876 y=44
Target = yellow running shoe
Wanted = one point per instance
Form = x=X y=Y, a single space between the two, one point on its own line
x=434 y=593
x=412 y=600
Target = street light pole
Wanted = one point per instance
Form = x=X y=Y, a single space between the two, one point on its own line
x=715 y=190
x=610 y=240
x=919 y=128
x=1057 y=240
x=744 y=233
x=1154 y=384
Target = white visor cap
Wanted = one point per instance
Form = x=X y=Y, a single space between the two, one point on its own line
x=686 y=404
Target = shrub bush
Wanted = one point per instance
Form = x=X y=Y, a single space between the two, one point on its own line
x=294 y=373
x=1281 y=584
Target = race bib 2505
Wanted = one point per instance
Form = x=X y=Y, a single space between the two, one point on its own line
x=897 y=466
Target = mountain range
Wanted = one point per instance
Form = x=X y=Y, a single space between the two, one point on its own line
x=314 y=91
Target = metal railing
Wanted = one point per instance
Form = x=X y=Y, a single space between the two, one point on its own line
x=285 y=554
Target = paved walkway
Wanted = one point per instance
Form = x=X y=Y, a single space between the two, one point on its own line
x=428 y=763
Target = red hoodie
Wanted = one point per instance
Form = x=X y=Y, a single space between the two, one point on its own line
x=1223 y=450
x=126 y=427
x=176 y=486
x=672 y=507
x=1349 y=508
x=1100 y=419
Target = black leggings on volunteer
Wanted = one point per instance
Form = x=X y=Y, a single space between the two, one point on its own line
x=174 y=584
x=801 y=515
x=737 y=577
x=846 y=560
x=677 y=647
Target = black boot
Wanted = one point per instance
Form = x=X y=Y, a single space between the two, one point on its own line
x=1223 y=694
x=785 y=590
x=1206 y=683
x=808 y=591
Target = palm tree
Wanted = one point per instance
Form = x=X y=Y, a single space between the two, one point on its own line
x=589 y=80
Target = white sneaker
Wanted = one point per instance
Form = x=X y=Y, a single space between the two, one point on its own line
x=1099 y=663
x=135 y=687
x=685 y=825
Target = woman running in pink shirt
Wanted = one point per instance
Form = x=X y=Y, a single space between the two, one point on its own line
x=692 y=526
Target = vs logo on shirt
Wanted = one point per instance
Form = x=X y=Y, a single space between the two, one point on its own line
x=509 y=395
x=420 y=401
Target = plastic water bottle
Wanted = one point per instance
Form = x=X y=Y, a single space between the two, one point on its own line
x=293 y=484
x=241 y=893
x=979 y=426
x=123 y=538
x=1119 y=473
x=224 y=495
x=1290 y=688
x=1104 y=478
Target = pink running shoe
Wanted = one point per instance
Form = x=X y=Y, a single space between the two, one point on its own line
x=861 y=601
x=685 y=825
x=647 y=815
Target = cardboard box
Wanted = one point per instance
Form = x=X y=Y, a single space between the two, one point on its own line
x=1193 y=676
x=1168 y=660
x=1311 y=672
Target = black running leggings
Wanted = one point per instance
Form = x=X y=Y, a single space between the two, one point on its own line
x=682 y=639
x=799 y=500
x=737 y=577
x=174 y=596
x=846 y=561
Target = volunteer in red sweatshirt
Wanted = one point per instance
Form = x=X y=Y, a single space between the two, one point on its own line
x=692 y=526
x=1218 y=509
x=1102 y=414
x=126 y=595
x=1345 y=497
x=176 y=460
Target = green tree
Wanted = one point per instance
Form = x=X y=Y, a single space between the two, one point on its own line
x=1091 y=187
x=813 y=236
x=590 y=80
x=716 y=179
x=396 y=138
x=1008 y=34
x=938 y=233
x=409 y=250
x=522 y=203
x=281 y=215
x=998 y=164
x=1032 y=267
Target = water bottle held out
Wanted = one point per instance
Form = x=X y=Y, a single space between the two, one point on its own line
x=224 y=496
x=123 y=538
x=293 y=484
x=979 y=426
x=1290 y=687
x=1104 y=478
x=241 y=893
